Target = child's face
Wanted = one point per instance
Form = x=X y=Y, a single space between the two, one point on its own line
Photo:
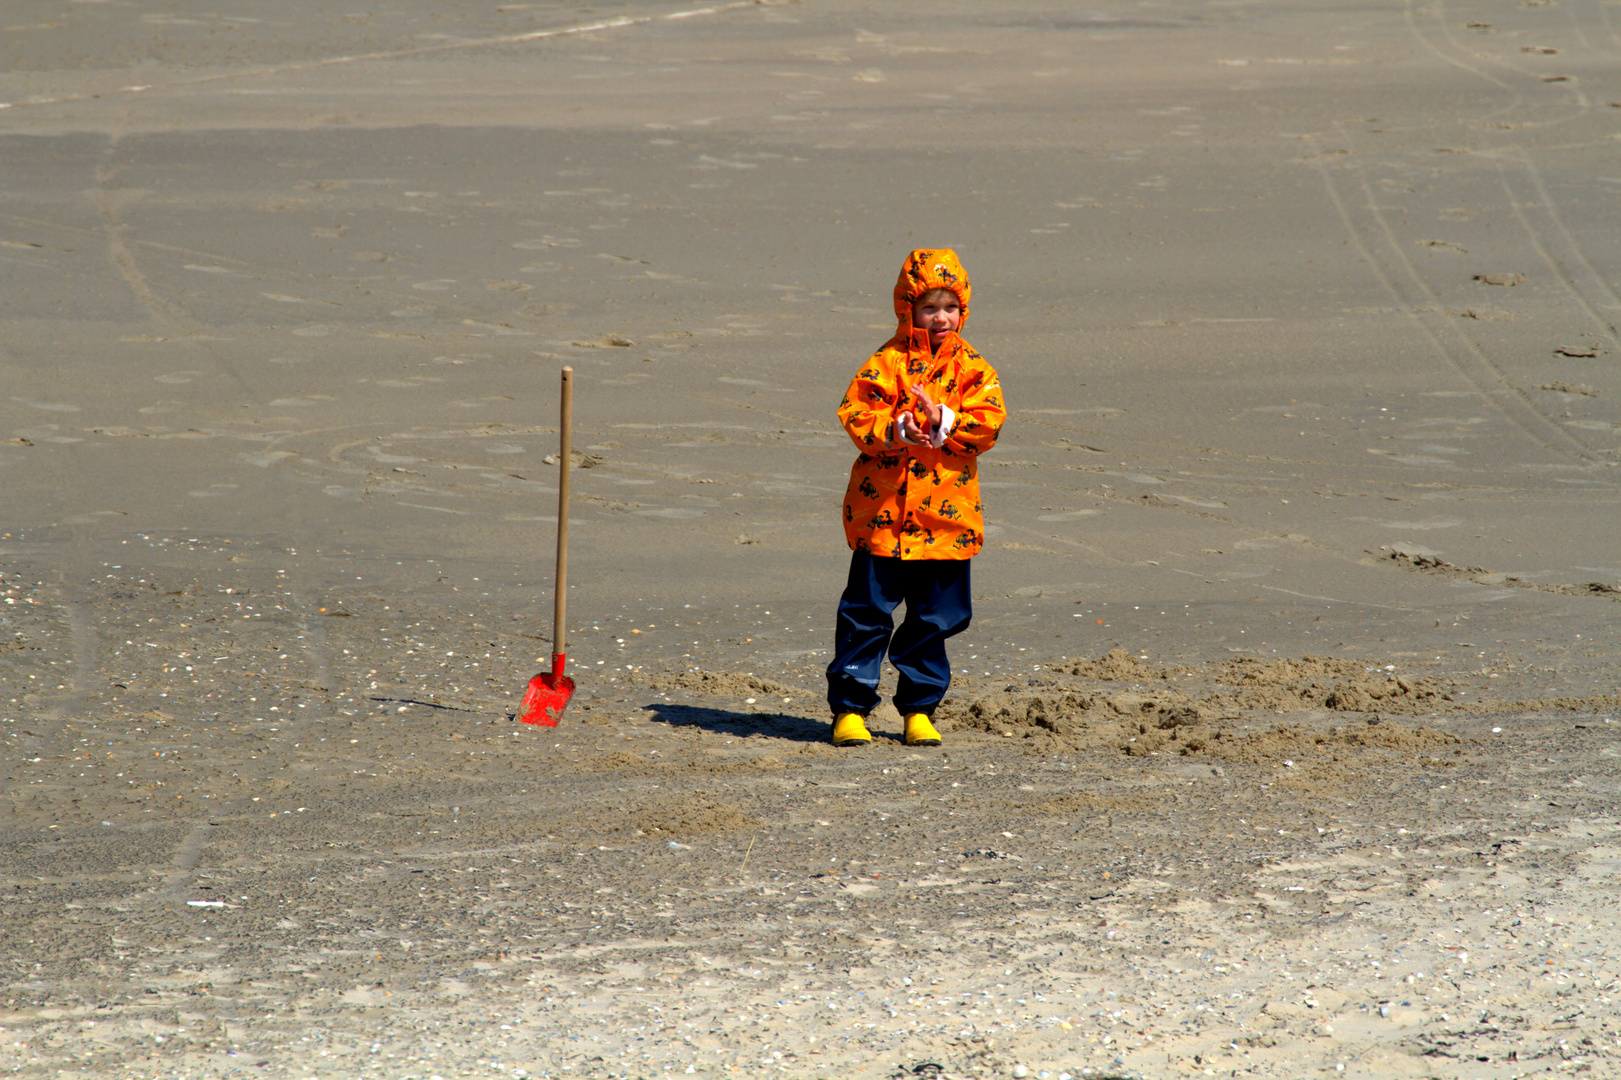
x=939 y=315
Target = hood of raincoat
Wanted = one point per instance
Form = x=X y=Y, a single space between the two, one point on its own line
x=925 y=269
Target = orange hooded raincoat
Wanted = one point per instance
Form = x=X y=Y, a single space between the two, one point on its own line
x=918 y=502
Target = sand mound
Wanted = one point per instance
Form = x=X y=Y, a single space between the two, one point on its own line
x=1389 y=694
x=1292 y=742
x=1209 y=725
x=1249 y=671
x=1118 y=666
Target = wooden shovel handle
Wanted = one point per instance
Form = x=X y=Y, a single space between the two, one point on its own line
x=560 y=600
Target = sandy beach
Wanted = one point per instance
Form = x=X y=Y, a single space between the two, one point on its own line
x=1286 y=740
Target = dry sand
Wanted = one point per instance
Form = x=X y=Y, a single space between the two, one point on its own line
x=1286 y=741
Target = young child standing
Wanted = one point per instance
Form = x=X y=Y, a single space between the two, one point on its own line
x=920 y=411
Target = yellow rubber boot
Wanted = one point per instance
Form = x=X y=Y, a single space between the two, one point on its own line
x=850 y=729
x=920 y=731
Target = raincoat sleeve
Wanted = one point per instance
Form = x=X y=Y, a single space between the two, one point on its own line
x=871 y=405
x=981 y=413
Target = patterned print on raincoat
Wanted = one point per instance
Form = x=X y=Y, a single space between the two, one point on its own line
x=918 y=502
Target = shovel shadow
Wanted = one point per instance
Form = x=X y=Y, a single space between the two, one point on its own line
x=741 y=724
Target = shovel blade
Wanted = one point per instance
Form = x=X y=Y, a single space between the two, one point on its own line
x=548 y=695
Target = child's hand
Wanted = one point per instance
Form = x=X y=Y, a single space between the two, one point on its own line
x=931 y=411
x=908 y=431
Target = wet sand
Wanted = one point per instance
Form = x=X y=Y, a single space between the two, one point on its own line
x=1284 y=741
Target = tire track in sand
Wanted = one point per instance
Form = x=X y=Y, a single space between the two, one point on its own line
x=1413 y=295
x=1553 y=240
x=69 y=707
x=1533 y=205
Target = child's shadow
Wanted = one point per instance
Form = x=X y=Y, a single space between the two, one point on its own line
x=740 y=724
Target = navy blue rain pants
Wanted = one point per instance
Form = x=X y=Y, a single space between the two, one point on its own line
x=938 y=606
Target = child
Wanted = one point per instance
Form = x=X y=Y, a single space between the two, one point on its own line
x=921 y=411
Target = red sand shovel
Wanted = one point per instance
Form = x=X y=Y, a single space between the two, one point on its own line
x=549 y=692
